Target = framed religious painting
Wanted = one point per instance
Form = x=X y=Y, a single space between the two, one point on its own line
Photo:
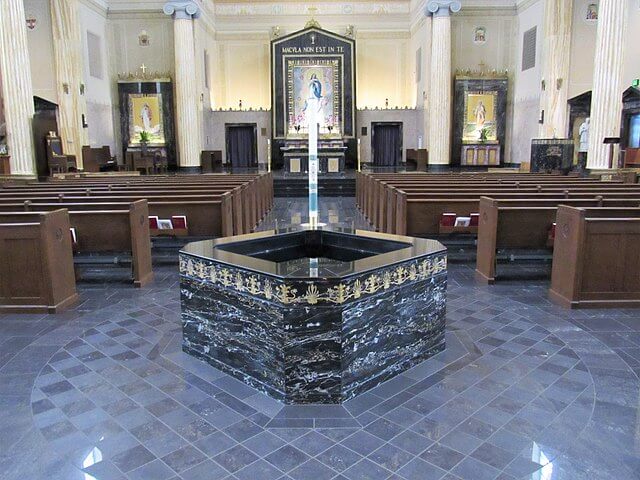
x=313 y=83
x=145 y=115
x=480 y=117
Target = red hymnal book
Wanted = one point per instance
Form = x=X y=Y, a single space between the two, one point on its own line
x=448 y=219
x=153 y=223
x=552 y=231
x=179 y=221
x=475 y=218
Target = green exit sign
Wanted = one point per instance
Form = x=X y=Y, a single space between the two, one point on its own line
x=636 y=82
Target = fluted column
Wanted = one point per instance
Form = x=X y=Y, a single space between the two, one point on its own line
x=16 y=86
x=440 y=91
x=72 y=105
x=187 y=119
x=606 y=99
x=557 y=53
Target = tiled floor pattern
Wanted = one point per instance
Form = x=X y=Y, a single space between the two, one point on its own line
x=524 y=390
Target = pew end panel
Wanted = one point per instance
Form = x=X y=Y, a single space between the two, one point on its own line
x=596 y=259
x=487 y=240
x=401 y=213
x=36 y=263
x=141 y=264
x=226 y=207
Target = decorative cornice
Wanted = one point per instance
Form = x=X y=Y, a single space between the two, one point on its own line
x=144 y=77
x=481 y=74
x=182 y=9
x=443 y=8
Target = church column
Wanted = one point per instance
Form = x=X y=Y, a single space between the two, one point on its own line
x=557 y=53
x=440 y=81
x=187 y=121
x=72 y=105
x=606 y=99
x=16 y=86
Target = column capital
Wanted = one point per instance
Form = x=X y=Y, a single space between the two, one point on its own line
x=182 y=9
x=443 y=8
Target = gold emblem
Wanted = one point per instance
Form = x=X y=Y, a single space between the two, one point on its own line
x=286 y=294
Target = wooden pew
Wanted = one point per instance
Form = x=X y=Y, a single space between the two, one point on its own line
x=596 y=259
x=521 y=224
x=125 y=229
x=254 y=202
x=36 y=262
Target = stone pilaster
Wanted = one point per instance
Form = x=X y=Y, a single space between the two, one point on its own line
x=606 y=99
x=187 y=118
x=16 y=86
x=72 y=105
x=440 y=88
x=557 y=53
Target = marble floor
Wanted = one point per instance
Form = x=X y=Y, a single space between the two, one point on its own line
x=524 y=390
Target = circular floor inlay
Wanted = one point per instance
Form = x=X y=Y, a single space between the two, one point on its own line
x=122 y=400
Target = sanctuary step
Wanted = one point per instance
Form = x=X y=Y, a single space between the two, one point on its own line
x=327 y=187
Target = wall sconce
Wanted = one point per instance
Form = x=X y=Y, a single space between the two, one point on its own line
x=65 y=88
x=82 y=89
x=543 y=85
x=541 y=120
x=558 y=84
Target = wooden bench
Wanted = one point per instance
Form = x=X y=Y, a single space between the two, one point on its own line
x=596 y=259
x=521 y=224
x=36 y=262
x=121 y=229
x=209 y=210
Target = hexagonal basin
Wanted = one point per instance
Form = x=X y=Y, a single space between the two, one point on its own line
x=313 y=244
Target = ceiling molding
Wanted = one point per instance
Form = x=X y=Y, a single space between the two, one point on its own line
x=524 y=4
x=101 y=7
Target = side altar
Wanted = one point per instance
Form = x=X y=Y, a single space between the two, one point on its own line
x=313 y=69
x=480 y=110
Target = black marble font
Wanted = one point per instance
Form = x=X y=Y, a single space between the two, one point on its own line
x=313 y=316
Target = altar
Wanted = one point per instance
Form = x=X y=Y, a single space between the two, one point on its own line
x=313 y=72
x=331 y=156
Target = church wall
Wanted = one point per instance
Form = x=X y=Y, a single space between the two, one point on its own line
x=40 y=44
x=412 y=121
x=243 y=71
x=384 y=65
x=526 y=98
x=158 y=56
x=496 y=53
x=98 y=92
x=419 y=59
x=583 y=45
x=123 y=31
x=631 y=55
x=214 y=128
